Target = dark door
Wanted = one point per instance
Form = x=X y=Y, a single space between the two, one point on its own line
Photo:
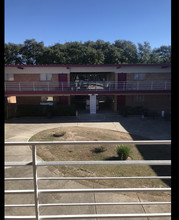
x=62 y=79
x=121 y=100
x=63 y=100
x=121 y=81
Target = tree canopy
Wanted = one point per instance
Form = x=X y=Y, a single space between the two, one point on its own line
x=89 y=52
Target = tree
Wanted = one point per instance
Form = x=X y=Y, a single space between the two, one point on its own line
x=144 y=52
x=162 y=54
x=11 y=54
x=89 y=52
x=128 y=51
x=111 y=55
x=31 y=51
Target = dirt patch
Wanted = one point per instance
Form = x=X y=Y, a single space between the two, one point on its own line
x=87 y=152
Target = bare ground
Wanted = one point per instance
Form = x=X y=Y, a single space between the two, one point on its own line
x=86 y=152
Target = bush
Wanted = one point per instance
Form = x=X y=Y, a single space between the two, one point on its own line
x=45 y=110
x=98 y=150
x=31 y=110
x=63 y=110
x=123 y=110
x=59 y=134
x=123 y=152
x=129 y=110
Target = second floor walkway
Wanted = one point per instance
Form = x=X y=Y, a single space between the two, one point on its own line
x=84 y=87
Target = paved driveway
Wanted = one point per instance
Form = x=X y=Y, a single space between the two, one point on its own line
x=22 y=129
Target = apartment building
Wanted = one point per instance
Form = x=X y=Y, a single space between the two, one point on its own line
x=91 y=87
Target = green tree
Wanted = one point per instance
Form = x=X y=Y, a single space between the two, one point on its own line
x=144 y=52
x=92 y=56
x=89 y=52
x=31 y=51
x=11 y=54
x=128 y=51
x=162 y=54
x=112 y=55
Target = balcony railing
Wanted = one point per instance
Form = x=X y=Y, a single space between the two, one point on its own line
x=37 y=191
x=88 y=86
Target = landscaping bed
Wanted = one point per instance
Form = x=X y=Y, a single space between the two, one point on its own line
x=101 y=152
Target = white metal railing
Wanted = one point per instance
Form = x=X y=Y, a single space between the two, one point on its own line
x=37 y=191
x=89 y=86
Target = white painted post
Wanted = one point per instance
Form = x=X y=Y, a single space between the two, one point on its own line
x=92 y=104
x=35 y=178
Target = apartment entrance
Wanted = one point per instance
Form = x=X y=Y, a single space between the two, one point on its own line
x=87 y=103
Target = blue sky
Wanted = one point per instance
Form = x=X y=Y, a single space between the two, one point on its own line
x=60 y=21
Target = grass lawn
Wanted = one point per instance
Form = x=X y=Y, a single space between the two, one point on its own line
x=108 y=152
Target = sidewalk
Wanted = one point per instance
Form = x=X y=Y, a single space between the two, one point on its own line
x=26 y=127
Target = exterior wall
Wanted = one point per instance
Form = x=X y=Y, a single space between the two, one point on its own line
x=62 y=100
x=26 y=77
x=151 y=76
x=28 y=100
x=92 y=69
x=143 y=69
x=151 y=71
x=32 y=78
x=54 y=78
x=37 y=99
x=10 y=110
x=37 y=70
x=158 y=73
x=152 y=102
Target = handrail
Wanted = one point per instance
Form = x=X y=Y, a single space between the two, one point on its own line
x=36 y=190
x=143 y=142
x=89 y=86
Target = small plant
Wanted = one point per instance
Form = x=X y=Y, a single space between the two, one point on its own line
x=59 y=134
x=123 y=152
x=98 y=149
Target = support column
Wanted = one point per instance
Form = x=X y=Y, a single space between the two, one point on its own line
x=93 y=104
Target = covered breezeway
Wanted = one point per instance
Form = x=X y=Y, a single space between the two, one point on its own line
x=99 y=103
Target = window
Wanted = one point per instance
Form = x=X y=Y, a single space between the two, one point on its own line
x=139 y=76
x=45 y=76
x=42 y=77
x=48 y=76
x=9 y=77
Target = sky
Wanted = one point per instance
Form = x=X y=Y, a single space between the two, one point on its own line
x=61 y=21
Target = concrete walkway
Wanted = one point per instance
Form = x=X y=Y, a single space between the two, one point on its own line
x=22 y=129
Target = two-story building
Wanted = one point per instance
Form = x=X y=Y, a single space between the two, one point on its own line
x=91 y=87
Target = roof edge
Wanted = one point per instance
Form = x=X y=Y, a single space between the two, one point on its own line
x=88 y=65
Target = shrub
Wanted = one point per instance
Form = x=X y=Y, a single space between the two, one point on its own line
x=31 y=110
x=63 y=110
x=129 y=110
x=123 y=110
x=44 y=110
x=59 y=134
x=98 y=149
x=123 y=152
